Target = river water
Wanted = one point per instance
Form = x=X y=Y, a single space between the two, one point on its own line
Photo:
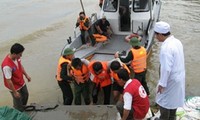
x=43 y=26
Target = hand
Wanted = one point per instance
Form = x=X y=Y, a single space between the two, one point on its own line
x=160 y=89
x=16 y=94
x=28 y=78
x=121 y=83
x=116 y=55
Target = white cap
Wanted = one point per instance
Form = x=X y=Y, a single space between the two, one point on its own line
x=103 y=17
x=162 y=27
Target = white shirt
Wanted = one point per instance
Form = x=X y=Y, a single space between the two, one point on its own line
x=127 y=97
x=172 y=74
x=8 y=71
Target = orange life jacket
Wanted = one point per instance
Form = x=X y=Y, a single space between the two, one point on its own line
x=115 y=76
x=139 y=62
x=60 y=62
x=82 y=24
x=81 y=75
x=100 y=38
x=103 y=78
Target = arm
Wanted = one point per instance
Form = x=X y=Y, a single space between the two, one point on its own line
x=127 y=38
x=26 y=75
x=125 y=114
x=127 y=105
x=64 y=72
x=78 y=22
x=127 y=59
x=85 y=61
x=98 y=27
x=12 y=88
x=166 y=60
x=7 y=71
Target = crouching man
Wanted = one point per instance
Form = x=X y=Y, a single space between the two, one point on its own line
x=135 y=104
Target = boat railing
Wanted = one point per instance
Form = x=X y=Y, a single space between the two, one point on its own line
x=93 y=17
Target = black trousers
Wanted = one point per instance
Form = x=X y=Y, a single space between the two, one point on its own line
x=107 y=93
x=20 y=103
x=142 y=78
x=167 y=114
x=93 y=41
x=84 y=90
x=66 y=91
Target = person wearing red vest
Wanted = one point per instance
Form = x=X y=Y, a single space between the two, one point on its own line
x=100 y=76
x=63 y=77
x=81 y=75
x=118 y=84
x=84 y=24
x=13 y=73
x=138 y=58
x=135 y=104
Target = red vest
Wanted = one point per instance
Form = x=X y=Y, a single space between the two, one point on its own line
x=17 y=73
x=140 y=100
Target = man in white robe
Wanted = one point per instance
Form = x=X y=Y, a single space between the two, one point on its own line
x=171 y=85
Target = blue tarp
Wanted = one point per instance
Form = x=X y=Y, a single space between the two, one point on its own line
x=7 y=113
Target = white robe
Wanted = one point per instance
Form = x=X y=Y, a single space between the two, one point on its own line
x=172 y=74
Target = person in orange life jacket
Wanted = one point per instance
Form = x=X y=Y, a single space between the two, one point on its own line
x=84 y=24
x=100 y=76
x=118 y=84
x=13 y=72
x=103 y=27
x=63 y=77
x=82 y=76
x=135 y=104
x=137 y=56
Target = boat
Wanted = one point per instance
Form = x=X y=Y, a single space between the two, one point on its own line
x=140 y=18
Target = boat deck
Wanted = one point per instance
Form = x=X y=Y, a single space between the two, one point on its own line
x=104 y=51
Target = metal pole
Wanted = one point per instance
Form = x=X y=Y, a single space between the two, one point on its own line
x=82 y=6
x=150 y=6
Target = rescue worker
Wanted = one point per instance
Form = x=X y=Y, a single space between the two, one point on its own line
x=81 y=74
x=100 y=76
x=63 y=77
x=13 y=72
x=103 y=27
x=118 y=84
x=85 y=26
x=135 y=104
x=138 y=57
